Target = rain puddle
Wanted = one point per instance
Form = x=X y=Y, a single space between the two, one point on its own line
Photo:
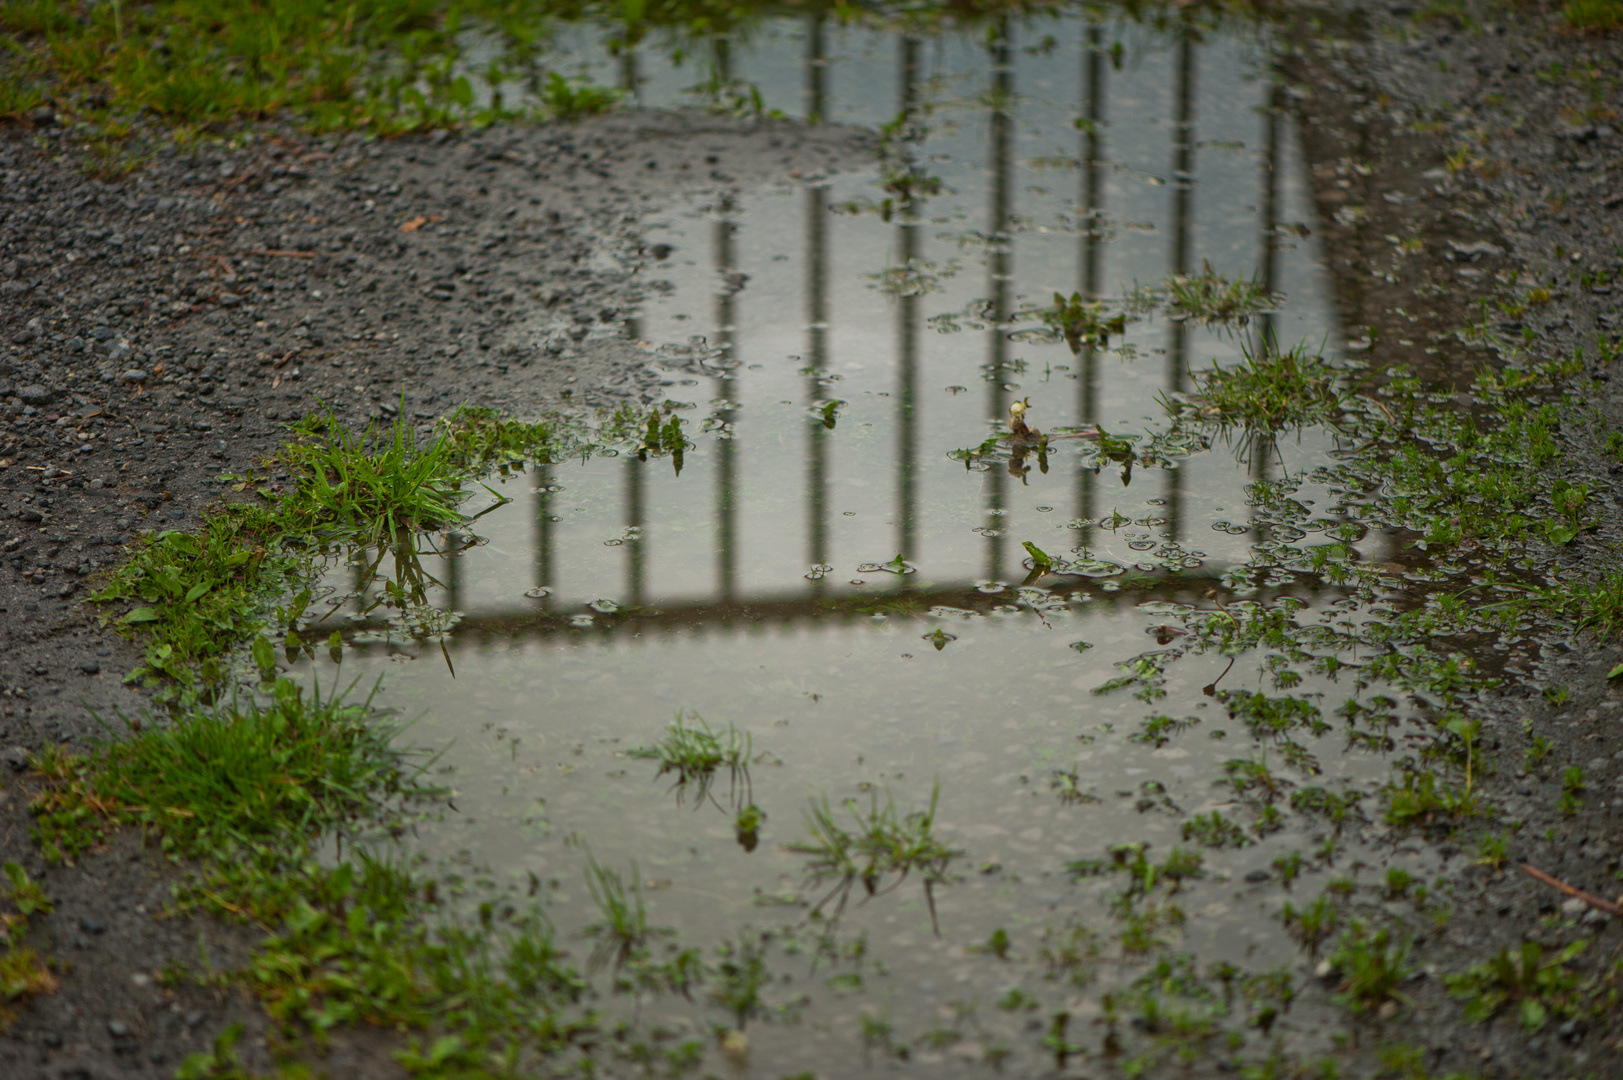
x=832 y=578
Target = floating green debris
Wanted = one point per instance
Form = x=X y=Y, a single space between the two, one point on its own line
x=898 y=565
x=1080 y=322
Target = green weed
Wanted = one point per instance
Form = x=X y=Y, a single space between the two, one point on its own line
x=1538 y=986
x=569 y=100
x=623 y=931
x=1070 y=954
x=482 y=439
x=1492 y=849
x=24 y=893
x=884 y=844
x=1209 y=297
x=1422 y=797
x=219 y=1062
x=198 y=596
x=741 y=976
x=695 y=754
x=1268 y=391
x=1313 y=924
x=1215 y=831
x=375 y=485
x=23 y=972
x=1080 y=322
x=213 y=779
x=1572 y=787
x=1372 y=966
x=1594 y=16
x=1157 y=731
x=374 y=64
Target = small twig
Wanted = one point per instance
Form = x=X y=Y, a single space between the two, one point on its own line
x=284 y=359
x=286 y=254
x=1578 y=894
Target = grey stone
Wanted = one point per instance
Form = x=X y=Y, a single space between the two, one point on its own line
x=133 y=375
x=17 y=758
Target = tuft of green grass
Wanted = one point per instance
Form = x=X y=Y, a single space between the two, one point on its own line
x=1594 y=16
x=623 y=931
x=1598 y=605
x=566 y=99
x=1313 y=924
x=1268 y=391
x=198 y=596
x=1209 y=297
x=378 y=64
x=695 y=754
x=482 y=439
x=1422 y=796
x=1372 y=966
x=884 y=845
x=1081 y=322
x=374 y=485
x=230 y=776
x=219 y=1062
x=23 y=972
x=1539 y=987
x=1213 y=830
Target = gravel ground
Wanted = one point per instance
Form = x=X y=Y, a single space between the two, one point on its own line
x=157 y=332
x=1538 y=192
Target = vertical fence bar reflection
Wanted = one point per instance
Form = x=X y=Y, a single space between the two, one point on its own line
x=543 y=531
x=816 y=362
x=726 y=392
x=1092 y=247
x=1183 y=184
x=816 y=359
x=907 y=314
x=999 y=266
x=816 y=68
x=635 y=566
x=1268 y=216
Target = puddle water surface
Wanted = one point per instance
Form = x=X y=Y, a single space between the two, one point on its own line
x=833 y=576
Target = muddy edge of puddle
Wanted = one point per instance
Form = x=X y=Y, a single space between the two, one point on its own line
x=1384 y=99
x=155 y=270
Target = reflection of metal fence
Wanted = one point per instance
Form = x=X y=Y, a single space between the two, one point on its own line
x=760 y=611
x=727 y=601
